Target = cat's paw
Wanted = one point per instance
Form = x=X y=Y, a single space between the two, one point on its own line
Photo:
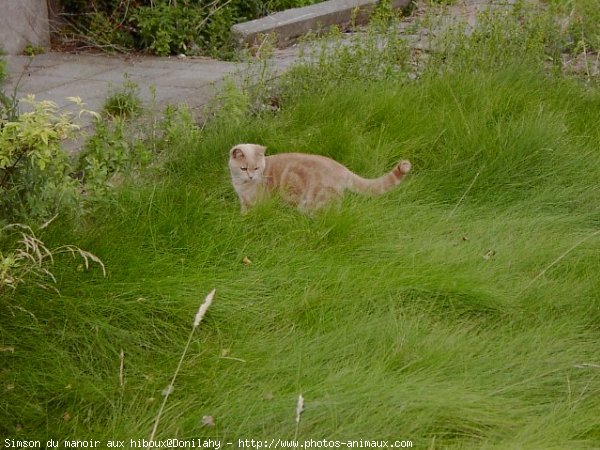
x=404 y=167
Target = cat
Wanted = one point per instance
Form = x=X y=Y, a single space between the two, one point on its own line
x=307 y=181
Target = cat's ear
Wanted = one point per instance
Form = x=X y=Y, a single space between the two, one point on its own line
x=236 y=153
x=261 y=150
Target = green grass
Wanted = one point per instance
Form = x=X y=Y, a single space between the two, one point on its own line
x=383 y=313
x=582 y=29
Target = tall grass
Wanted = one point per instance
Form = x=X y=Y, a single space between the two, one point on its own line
x=460 y=311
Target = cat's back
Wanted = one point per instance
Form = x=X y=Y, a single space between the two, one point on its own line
x=303 y=169
x=298 y=160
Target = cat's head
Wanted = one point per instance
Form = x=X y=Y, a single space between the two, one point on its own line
x=247 y=162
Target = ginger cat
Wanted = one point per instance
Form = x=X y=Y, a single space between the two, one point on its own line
x=307 y=181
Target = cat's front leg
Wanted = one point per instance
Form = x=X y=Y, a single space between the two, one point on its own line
x=247 y=200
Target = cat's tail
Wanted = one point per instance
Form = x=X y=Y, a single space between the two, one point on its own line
x=382 y=184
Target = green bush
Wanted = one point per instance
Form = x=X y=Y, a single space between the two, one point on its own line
x=166 y=27
x=35 y=180
x=39 y=179
x=108 y=156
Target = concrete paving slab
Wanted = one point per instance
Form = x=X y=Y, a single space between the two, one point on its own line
x=91 y=93
x=36 y=85
x=190 y=96
x=76 y=70
x=92 y=77
x=117 y=76
x=196 y=79
x=181 y=63
x=17 y=63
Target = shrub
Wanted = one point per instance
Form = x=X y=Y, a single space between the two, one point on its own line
x=108 y=156
x=165 y=27
x=39 y=179
x=35 y=180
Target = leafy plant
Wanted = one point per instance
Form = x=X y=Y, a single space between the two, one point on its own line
x=108 y=156
x=164 y=27
x=123 y=149
x=35 y=180
x=107 y=34
x=9 y=107
x=33 y=50
x=167 y=29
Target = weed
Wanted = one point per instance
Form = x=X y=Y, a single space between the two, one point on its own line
x=380 y=53
x=28 y=258
x=109 y=156
x=9 y=104
x=503 y=35
x=167 y=392
x=123 y=102
x=35 y=179
x=581 y=22
x=165 y=27
x=3 y=73
x=33 y=50
x=230 y=105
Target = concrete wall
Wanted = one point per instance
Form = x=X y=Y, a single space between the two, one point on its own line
x=23 y=22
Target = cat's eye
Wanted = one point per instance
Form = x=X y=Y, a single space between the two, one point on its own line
x=244 y=168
